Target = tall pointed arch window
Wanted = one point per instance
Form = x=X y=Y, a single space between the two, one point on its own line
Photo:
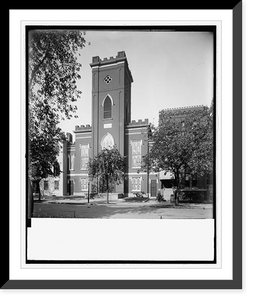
x=107 y=108
x=84 y=156
x=136 y=154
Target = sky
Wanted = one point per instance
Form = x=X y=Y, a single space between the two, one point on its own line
x=170 y=69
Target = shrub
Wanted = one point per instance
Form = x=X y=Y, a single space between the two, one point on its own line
x=138 y=194
x=159 y=197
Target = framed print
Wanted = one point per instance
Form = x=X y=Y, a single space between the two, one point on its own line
x=83 y=192
x=127 y=123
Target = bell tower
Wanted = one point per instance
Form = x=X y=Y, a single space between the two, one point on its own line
x=111 y=102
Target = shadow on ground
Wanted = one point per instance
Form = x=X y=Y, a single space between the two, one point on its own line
x=123 y=211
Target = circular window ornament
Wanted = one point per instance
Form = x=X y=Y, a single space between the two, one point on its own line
x=107 y=79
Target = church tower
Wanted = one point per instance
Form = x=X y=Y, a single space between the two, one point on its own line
x=111 y=102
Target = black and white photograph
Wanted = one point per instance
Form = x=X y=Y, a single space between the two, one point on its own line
x=121 y=122
x=128 y=165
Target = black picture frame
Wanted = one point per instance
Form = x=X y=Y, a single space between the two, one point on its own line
x=236 y=282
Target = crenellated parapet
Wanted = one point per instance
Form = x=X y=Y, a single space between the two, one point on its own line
x=179 y=111
x=97 y=61
x=120 y=61
x=186 y=108
x=140 y=122
x=83 y=128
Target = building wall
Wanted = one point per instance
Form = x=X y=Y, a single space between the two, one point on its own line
x=140 y=179
x=136 y=140
x=51 y=186
x=77 y=171
x=110 y=77
x=64 y=169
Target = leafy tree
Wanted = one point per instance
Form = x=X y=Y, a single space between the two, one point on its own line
x=182 y=143
x=42 y=160
x=109 y=166
x=53 y=71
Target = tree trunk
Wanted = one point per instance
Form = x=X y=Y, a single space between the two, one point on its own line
x=39 y=191
x=36 y=68
x=107 y=187
x=38 y=188
x=30 y=199
x=176 y=196
x=88 y=191
x=177 y=188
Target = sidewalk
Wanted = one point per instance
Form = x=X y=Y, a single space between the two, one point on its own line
x=123 y=202
x=78 y=200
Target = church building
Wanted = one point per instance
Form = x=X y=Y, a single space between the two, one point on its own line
x=111 y=125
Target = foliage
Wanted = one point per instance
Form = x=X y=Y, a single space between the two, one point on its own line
x=104 y=187
x=182 y=144
x=139 y=194
x=189 y=194
x=108 y=166
x=43 y=158
x=53 y=71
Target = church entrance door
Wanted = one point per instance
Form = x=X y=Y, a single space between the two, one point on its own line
x=71 y=187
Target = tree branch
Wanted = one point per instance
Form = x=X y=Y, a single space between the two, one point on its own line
x=35 y=70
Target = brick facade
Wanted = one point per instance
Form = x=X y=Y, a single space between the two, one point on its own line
x=111 y=124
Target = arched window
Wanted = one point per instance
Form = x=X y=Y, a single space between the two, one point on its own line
x=107 y=108
x=136 y=154
x=107 y=141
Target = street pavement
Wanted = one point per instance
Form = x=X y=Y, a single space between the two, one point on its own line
x=120 y=209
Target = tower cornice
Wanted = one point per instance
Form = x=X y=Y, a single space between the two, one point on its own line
x=119 y=58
